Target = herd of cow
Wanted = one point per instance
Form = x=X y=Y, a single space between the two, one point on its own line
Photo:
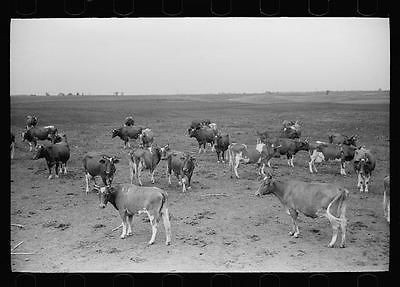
x=312 y=199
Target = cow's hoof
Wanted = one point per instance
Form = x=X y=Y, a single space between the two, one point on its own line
x=342 y=245
x=129 y=234
x=150 y=242
x=291 y=233
x=50 y=177
x=122 y=236
x=330 y=245
x=168 y=243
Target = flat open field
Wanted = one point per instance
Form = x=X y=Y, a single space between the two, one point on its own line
x=238 y=232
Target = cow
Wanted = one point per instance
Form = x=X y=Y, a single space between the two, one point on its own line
x=290 y=133
x=129 y=121
x=311 y=199
x=197 y=124
x=127 y=133
x=34 y=134
x=146 y=137
x=288 y=147
x=12 y=145
x=386 y=198
x=144 y=158
x=337 y=138
x=262 y=136
x=55 y=154
x=96 y=164
x=203 y=136
x=322 y=151
x=31 y=121
x=182 y=165
x=221 y=144
x=241 y=153
x=130 y=199
x=364 y=163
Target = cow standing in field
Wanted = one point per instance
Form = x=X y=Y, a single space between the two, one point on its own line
x=241 y=153
x=182 y=165
x=31 y=121
x=364 y=164
x=325 y=152
x=144 y=158
x=96 y=164
x=34 y=134
x=55 y=154
x=12 y=145
x=221 y=144
x=146 y=138
x=127 y=133
x=129 y=121
x=386 y=198
x=313 y=200
x=130 y=199
x=288 y=147
x=337 y=138
x=203 y=136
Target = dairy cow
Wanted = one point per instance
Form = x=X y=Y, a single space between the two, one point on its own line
x=96 y=164
x=32 y=135
x=131 y=200
x=364 y=164
x=126 y=133
x=311 y=199
x=221 y=144
x=182 y=165
x=203 y=136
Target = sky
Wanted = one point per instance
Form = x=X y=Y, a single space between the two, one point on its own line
x=198 y=55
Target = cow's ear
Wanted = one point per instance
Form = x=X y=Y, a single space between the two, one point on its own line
x=115 y=160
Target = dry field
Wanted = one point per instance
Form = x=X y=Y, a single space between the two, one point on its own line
x=237 y=232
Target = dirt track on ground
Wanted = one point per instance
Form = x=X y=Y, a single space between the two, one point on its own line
x=232 y=232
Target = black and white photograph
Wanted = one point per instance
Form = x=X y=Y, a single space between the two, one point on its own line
x=200 y=144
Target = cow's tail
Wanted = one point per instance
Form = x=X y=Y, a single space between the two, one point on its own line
x=341 y=199
x=163 y=203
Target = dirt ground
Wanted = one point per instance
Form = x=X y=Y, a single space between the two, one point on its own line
x=235 y=231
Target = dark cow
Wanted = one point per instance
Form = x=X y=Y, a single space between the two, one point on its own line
x=34 y=134
x=337 y=138
x=290 y=133
x=55 y=154
x=12 y=145
x=146 y=138
x=288 y=147
x=182 y=165
x=203 y=136
x=31 y=121
x=130 y=199
x=364 y=163
x=129 y=121
x=196 y=124
x=386 y=198
x=96 y=164
x=256 y=155
x=325 y=151
x=127 y=133
x=313 y=200
x=221 y=144
x=144 y=158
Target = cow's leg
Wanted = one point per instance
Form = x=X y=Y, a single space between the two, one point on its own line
x=57 y=169
x=49 y=167
x=335 y=226
x=235 y=169
x=359 y=180
x=169 y=178
x=218 y=157
x=366 y=180
x=167 y=225
x=293 y=214
x=152 y=176
x=223 y=156
x=262 y=169
x=87 y=177
x=199 y=147
x=291 y=161
x=310 y=166
x=139 y=173
x=65 y=168
x=212 y=147
x=129 y=222
x=30 y=146
x=288 y=159
x=131 y=170
x=124 y=223
x=153 y=223
x=343 y=225
x=343 y=168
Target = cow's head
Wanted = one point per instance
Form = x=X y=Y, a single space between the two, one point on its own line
x=40 y=152
x=115 y=132
x=351 y=140
x=187 y=168
x=266 y=185
x=164 y=151
x=109 y=167
x=191 y=132
x=105 y=193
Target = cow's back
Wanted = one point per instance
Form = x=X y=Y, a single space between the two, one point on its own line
x=91 y=163
x=308 y=197
x=134 y=198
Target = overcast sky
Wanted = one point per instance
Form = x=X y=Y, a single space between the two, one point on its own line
x=198 y=55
